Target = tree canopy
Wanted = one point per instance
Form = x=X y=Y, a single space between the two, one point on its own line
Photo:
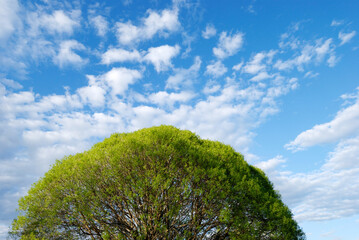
x=155 y=183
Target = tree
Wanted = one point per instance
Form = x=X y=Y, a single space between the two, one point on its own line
x=155 y=183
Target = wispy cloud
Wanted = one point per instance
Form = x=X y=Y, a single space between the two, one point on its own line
x=345 y=124
x=259 y=62
x=209 y=32
x=336 y=23
x=346 y=37
x=309 y=53
x=184 y=77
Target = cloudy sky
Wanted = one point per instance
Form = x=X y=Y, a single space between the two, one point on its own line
x=277 y=80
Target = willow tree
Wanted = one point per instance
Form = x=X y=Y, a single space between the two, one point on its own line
x=155 y=183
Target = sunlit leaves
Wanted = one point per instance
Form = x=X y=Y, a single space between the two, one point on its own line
x=156 y=183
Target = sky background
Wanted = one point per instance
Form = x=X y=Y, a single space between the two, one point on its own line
x=277 y=80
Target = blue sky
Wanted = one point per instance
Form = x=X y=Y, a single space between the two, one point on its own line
x=277 y=80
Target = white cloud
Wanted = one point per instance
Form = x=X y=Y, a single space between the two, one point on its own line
x=161 y=56
x=328 y=192
x=345 y=123
x=259 y=63
x=311 y=74
x=184 y=77
x=310 y=53
x=145 y=116
x=38 y=32
x=228 y=45
x=93 y=95
x=345 y=155
x=127 y=33
x=211 y=87
x=66 y=55
x=271 y=164
x=288 y=39
x=336 y=23
x=323 y=49
x=216 y=69
x=120 y=55
x=187 y=40
x=60 y=22
x=8 y=17
x=166 y=21
x=120 y=78
x=163 y=23
x=238 y=66
x=346 y=37
x=209 y=32
x=163 y=98
x=320 y=195
x=261 y=76
x=100 y=24
x=39 y=129
x=332 y=60
x=255 y=65
x=127 y=2
x=11 y=83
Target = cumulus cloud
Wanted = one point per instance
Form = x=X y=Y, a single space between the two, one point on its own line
x=67 y=56
x=38 y=129
x=161 y=56
x=163 y=23
x=120 y=55
x=100 y=24
x=93 y=94
x=346 y=37
x=228 y=45
x=216 y=69
x=118 y=79
x=60 y=22
x=43 y=128
x=163 y=98
x=209 y=32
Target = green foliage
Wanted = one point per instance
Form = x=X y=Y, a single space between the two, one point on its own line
x=155 y=183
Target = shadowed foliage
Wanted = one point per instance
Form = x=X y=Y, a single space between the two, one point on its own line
x=155 y=183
